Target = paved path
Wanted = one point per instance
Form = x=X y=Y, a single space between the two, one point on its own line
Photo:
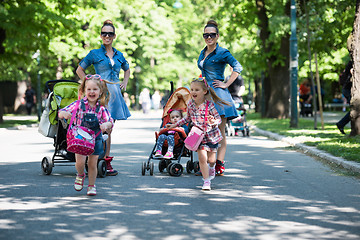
x=269 y=191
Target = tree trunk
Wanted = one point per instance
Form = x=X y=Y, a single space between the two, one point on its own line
x=59 y=70
x=278 y=104
x=354 y=48
x=277 y=82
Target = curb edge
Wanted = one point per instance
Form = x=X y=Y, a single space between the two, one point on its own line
x=353 y=166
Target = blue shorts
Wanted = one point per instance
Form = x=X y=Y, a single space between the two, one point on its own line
x=99 y=145
x=209 y=147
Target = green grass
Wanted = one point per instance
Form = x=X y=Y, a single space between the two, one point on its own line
x=328 y=140
x=14 y=123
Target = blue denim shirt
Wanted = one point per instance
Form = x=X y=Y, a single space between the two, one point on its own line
x=102 y=64
x=215 y=63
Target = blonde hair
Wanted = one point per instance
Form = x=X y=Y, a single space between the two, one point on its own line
x=211 y=94
x=104 y=93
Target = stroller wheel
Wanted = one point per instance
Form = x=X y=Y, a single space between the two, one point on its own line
x=151 y=168
x=168 y=167
x=46 y=165
x=143 y=168
x=189 y=166
x=102 y=168
x=196 y=166
x=176 y=169
x=162 y=165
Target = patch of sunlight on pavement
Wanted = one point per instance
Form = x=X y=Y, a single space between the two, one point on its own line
x=149 y=212
x=270 y=229
x=177 y=204
x=7 y=224
x=110 y=232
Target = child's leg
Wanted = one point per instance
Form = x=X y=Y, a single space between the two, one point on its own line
x=204 y=168
x=160 y=142
x=211 y=158
x=80 y=163
x=171 y=143
x=92 y=168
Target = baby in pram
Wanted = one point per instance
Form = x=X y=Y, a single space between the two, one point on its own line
x=169 y=135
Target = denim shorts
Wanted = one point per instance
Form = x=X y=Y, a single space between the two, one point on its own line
x=210 y=147
x=99 y=145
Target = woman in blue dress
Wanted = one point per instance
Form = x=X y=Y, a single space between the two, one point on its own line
x=108 y=63
x=212 y=62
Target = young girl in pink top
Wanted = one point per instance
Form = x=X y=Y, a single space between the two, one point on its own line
x=202 y=98
x=92 y=106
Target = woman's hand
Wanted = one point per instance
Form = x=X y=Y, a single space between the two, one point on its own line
x=219 y=84
x=123 y=86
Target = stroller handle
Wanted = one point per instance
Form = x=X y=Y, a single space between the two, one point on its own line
x=171 y=87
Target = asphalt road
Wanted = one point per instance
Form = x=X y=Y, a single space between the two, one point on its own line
x=269 y=191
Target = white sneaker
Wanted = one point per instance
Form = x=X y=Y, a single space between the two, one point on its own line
x=91 y=190
x=206 y=185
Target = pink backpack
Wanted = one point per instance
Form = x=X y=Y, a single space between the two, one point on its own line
x=196 y=135
x=80 y=140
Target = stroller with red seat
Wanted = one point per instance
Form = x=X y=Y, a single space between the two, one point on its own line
x=178 y=100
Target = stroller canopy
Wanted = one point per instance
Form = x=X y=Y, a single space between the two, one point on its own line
x=64 y=93
x=177 y=100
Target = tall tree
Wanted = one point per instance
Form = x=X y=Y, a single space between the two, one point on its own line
x=354 y=43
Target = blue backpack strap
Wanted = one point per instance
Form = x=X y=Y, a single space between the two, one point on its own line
x=97 y=107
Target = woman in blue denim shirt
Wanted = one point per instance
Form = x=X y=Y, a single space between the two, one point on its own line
x=108 y=63
x=212 y=62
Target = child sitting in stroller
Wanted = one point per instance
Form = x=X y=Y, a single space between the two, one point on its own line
x=168 y=134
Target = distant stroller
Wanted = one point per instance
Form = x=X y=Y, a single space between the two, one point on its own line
x=238 y=124
x=306 y=108
x=61 y=94
x=177 y=100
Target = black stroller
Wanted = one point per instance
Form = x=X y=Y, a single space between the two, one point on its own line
x=177 y=100
x=306 y=108
x=61 y=94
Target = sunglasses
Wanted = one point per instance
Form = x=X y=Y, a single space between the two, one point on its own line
x=110 y=34
x=95 y=76
x=207 y=35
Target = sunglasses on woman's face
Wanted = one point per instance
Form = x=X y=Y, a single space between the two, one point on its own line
x=207 y=35
x=110 y=34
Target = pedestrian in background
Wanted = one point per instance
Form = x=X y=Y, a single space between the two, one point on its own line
x=156 y=98
x=212 y=62
x=145 y=101
x=108 y=63
x=346 y=83
x=30 y=99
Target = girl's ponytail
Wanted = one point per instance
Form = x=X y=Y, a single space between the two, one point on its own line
x=210 y=91
x=216 y=98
